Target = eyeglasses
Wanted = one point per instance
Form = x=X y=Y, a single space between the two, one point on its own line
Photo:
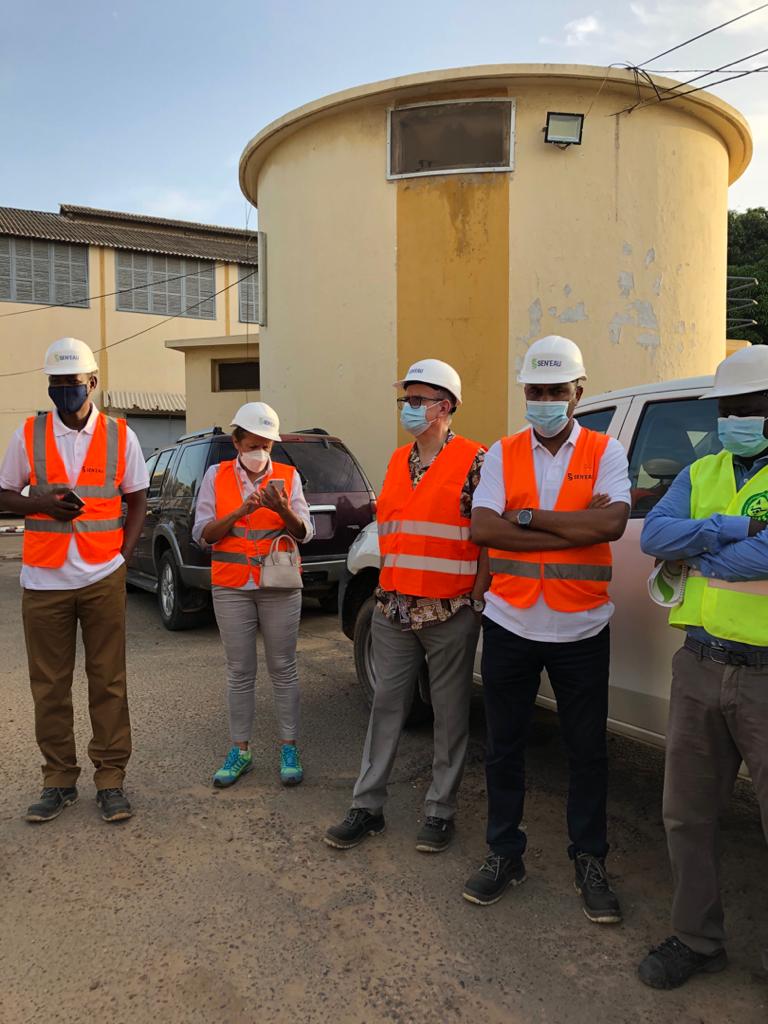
x=416 y=401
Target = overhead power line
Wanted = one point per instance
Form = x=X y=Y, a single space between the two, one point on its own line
x=701 y=35
x=152 y=327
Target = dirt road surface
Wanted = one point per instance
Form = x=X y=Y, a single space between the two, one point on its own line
x=227 y=907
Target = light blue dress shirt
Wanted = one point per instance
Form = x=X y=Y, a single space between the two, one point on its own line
x=719 y=547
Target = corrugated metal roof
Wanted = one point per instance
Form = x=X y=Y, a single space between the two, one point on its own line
x=86 y=226
x=146 y=401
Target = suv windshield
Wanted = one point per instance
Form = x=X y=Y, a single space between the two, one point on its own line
x=324 y=466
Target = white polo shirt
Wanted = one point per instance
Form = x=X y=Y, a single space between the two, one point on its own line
x=540 y=622
x=73 y=447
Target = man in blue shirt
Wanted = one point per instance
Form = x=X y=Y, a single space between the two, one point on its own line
x=713 y=519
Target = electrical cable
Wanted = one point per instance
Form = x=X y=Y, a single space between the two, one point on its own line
x=701 y=35
x=152 y=327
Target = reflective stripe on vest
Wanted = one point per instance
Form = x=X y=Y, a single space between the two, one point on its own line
x=731 y=610
x=570 y=580
x=98 y=530
x=424 y=539
x=236 y=559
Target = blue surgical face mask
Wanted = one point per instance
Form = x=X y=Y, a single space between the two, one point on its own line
x=547 y=418
x=68 y=399
x=742 y=435
x=415 y=420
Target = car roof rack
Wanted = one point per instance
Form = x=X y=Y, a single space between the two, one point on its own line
x=205 y=432
x=312 y=430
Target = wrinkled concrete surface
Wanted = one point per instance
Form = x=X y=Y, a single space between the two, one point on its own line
x=227 y=907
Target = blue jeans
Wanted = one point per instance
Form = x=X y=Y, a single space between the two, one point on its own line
x=578 y=672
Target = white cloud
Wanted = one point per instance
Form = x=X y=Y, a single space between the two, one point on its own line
x=577 y=32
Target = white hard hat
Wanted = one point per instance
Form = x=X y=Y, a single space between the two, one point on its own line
x=69 y=355
x=552 y=360
x=258 y=418
x=743 y=373
x=435 y=373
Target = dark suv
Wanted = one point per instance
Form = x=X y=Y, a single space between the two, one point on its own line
x=167 y=561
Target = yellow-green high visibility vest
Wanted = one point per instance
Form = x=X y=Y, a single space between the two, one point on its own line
x=731 y=611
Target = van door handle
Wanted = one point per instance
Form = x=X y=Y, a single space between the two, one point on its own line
x=322 y=508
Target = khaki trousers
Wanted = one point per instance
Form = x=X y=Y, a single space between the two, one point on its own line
x=718 y=715
x=50 y=629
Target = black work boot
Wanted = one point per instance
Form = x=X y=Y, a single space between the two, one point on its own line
x=52 y=802
x=435 y=835
x=491 y=880
x=114 y=804
x=357 y=826
x=672 y=963
x=601 y=904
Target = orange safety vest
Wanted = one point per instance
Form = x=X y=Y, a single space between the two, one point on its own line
x=98 y=530
x=423 y=536
x=573 y=580
x=236 y=558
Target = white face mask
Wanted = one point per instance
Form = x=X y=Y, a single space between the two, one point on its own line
x=254 y=461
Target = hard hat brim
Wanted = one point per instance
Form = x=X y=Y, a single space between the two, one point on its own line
x=724 y=391
x=547 y=377
x=270 y=435
x=420 y=380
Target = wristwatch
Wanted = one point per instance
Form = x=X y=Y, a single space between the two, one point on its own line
x=478 y=604
x=524 y=517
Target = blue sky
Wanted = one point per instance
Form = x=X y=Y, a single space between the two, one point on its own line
x=146 y=106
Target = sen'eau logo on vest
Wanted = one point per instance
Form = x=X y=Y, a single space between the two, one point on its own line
x=542 y=364
x=581 y=476
x=756 y=507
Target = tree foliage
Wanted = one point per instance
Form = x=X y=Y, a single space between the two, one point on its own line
x=748 y=257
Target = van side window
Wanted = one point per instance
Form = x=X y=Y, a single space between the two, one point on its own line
x=598 y=420
x=670 y=436
x=189 y=471
x=158 y=473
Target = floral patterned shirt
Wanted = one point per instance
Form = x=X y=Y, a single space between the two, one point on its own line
x=415 y=612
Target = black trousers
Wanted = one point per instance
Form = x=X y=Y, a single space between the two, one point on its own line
x=578 y=671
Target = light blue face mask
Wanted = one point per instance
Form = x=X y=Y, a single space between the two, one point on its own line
x=742 y=435
x=547 y=418
x=415 y=420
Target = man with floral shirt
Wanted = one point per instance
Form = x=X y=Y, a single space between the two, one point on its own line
x=431 y=586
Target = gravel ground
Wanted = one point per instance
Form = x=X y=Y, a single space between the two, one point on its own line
x=227 y=907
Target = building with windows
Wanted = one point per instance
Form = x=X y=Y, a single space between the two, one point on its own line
x=126 y=284
x=462 y=214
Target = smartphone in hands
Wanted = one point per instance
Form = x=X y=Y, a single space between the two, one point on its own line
x=73 y=498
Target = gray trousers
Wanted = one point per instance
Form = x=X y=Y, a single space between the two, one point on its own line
x=718 y=716
x=239 y=614
x=449 y=648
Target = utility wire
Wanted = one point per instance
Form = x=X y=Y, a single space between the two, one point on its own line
x=75 y=304
x=715 y=71
x=710 y=85
x=152 y=327
x=701 y=35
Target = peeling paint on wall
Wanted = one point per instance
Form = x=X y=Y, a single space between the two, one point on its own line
x=574 y=314
x=552 y=310
x=567 y=290
x=646 y=317
x=627 y=249
x=626 y=283
x=535 y=313
x=648 y=340
x=657 y=284
x=614 y=328
x=650 y=256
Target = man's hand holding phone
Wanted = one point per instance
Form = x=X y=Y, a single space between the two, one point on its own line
x=61 y=503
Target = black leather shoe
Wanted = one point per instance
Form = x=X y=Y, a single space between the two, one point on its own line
x=52 y=802
x=492 y=879
x=672 y=963
x=601 y=904
x=435 y=835
x=357 y=826
x=114 y=804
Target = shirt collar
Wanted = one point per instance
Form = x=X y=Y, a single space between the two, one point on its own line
x=61 y=429
x=572 y=439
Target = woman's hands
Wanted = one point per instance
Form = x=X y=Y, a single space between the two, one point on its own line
x=275 y=500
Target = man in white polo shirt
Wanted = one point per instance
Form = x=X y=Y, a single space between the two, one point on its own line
x=549 y=501
x=80 y=466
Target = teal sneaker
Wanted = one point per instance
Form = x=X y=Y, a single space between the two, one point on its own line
x=291 y=772
x=238 y=762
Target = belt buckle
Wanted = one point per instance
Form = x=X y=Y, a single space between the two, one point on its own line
x=720 y=655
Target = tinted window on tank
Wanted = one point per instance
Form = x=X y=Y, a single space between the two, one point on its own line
x=440 y=138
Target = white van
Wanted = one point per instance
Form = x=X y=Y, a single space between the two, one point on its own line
x=663 y=427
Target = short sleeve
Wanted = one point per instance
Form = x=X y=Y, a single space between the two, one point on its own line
x=490 y=491
x=14 y=469
x=136 y=477
x=613 y=475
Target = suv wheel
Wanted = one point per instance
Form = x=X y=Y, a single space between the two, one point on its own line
x=171 y=594
x=420 y=710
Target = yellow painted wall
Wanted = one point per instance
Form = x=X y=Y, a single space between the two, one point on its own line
x=141 y=364
x=205 y=407
x=452 y=287
x=328 y=355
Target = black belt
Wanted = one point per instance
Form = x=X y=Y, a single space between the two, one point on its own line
x=724 y=656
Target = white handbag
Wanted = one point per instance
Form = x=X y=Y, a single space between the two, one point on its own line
x=280 y=570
